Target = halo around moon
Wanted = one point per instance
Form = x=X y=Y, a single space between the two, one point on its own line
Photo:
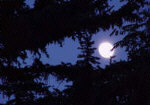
x=105 y=50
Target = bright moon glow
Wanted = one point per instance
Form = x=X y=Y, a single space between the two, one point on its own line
x=105 y=50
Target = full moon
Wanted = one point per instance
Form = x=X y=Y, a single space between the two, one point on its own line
x=105 y=50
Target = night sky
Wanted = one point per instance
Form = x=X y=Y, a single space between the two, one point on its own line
x=69 y=52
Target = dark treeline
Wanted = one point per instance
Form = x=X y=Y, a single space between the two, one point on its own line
x=25 y=29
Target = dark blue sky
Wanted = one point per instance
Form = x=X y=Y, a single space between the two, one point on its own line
x=68 y=53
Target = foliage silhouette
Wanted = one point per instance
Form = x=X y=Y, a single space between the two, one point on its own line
x=50 y=21
x=23 y=28
x=87 y=51
x=137 y=43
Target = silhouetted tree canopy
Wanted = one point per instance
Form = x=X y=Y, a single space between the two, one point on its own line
x=23 y=28
x=137 y=43
x=121 y=83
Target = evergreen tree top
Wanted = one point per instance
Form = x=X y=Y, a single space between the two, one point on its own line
x=87 y=51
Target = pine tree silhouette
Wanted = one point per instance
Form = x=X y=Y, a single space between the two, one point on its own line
x=86 y=46
x=83 y=84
